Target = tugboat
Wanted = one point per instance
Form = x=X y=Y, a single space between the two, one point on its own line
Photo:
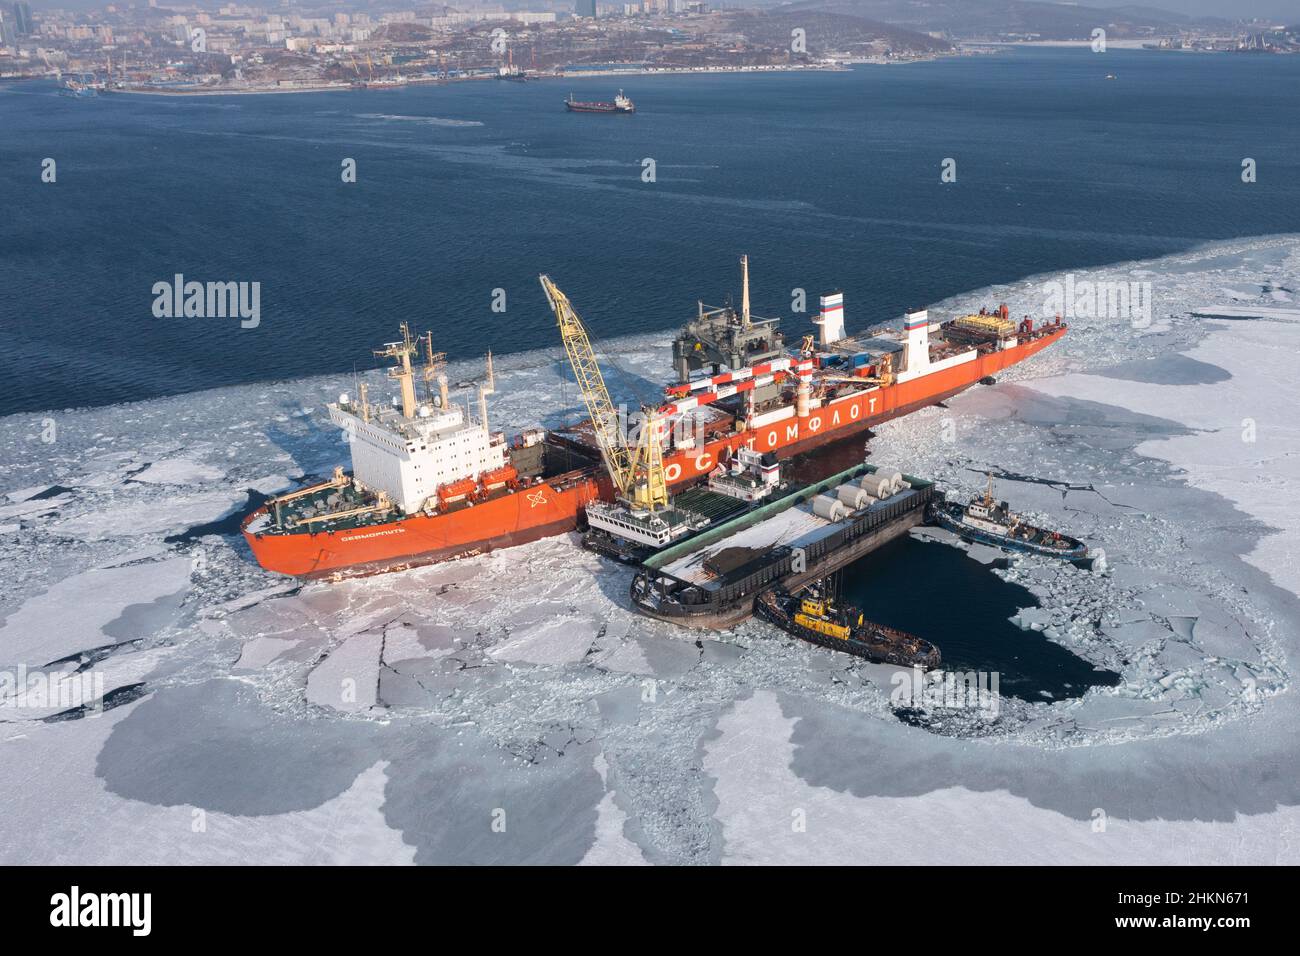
x=817 y=620
x=621 y=104
x=992 y=522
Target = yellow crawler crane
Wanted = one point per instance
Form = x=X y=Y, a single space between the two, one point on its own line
x=649 y=486
x=638 y=478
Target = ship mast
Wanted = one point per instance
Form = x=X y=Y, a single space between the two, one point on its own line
x=401 y=352
x=434 y=362
x=744 y=290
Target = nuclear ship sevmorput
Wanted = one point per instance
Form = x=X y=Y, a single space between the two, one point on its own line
x=431 y=481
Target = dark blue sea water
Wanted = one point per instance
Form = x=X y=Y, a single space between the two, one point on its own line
x=825 y=179
x=939 y=593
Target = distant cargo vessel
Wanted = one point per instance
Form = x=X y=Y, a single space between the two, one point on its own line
x=621 y=104
x=431 y=481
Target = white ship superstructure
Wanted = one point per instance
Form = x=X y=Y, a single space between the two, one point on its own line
x=750 y=477
x=412 y=450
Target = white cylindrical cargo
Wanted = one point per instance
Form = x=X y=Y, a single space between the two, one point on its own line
x=883 y=471
x=832 y=509
x=854 y=498
x=876 y=486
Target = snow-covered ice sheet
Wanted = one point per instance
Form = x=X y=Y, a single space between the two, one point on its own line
x=512 y=708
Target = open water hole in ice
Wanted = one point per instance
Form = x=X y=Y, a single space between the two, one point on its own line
x=936 y=591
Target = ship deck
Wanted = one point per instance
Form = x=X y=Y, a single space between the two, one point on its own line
x=323 y=501
x=709 y=504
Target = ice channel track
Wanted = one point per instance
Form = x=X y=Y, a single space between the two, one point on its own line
x=529 y=664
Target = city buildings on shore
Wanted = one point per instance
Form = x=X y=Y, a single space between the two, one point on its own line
x=156 y=45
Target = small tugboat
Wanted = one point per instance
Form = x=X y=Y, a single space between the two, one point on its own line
x=817 y=620
x=992 y=522
x=621 y=104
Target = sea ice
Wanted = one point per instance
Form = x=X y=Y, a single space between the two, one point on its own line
x=318 y=722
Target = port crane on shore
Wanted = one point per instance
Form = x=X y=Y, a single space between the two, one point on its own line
x=638 y=476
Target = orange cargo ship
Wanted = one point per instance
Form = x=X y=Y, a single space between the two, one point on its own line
x=430 y=483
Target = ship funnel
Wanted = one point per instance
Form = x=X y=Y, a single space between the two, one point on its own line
x=831 y=318
x=916 y=326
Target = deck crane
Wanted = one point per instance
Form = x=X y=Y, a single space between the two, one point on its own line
x=638 y=477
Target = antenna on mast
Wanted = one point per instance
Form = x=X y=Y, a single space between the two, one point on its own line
x=434 y=362
x=488 y=387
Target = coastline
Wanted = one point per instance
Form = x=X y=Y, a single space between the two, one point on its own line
x=838 y=66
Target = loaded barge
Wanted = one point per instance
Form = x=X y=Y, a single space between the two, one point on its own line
x=712 y=579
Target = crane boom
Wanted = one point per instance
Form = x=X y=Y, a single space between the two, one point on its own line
x=604 y=416
x=650 y=484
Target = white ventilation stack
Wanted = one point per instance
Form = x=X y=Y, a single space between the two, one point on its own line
x=831 y=319
x=917 y=328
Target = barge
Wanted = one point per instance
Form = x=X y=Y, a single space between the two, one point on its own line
x=712 y=579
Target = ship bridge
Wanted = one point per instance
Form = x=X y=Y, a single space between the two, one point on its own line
x=411 y=458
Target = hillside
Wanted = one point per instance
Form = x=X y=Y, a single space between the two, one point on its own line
x=998 y=18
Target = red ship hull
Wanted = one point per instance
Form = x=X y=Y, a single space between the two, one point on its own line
x=552 y=507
